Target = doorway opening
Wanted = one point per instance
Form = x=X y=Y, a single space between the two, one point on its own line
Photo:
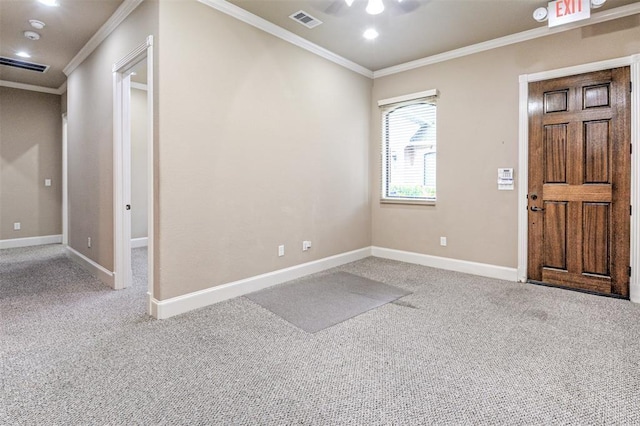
x=133 y=163
x=579 y=182
x=65 y=188
x=596 y=208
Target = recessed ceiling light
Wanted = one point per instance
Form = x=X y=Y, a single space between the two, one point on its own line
x=50 y=2
x=597 y=3
x=370 y=34
x=375 y=7
x=32 y=35
x=38 y=25
x=23 y=54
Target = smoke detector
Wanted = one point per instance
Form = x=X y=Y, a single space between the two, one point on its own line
x=32 y=35
x=38 y=25
x=541 y=14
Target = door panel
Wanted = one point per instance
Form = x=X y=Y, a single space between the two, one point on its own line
x=555 y=237
x=555 y=152
x=579 y=181
x=596 y=96
x=595 y=231
x=597 y=149
x=555 y=101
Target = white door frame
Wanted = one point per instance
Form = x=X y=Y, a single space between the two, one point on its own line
x=65 y=187
x=523 y=161
x=122 y=165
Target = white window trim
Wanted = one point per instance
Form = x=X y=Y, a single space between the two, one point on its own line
x=410 y=97
x=398 y=100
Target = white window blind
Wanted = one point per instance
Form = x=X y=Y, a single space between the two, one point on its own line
x=409 y=148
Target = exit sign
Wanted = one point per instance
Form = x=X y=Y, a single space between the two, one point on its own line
x=565 y=11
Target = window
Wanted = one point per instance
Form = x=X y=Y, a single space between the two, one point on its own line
x=409 y=148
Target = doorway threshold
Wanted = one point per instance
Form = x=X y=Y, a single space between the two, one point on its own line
x=579 y=290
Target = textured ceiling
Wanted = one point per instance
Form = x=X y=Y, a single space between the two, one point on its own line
x=409 y=30
x=68 y=28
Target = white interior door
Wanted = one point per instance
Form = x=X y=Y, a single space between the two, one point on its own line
x=123 y=274
x=65 y=189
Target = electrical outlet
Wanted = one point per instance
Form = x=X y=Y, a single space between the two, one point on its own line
x=89 y=242
x=16 y=226
x=443 y=241
x=306 y=245
x=281 y=251
x=47 y=182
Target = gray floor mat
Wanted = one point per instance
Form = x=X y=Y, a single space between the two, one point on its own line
x=318 y=302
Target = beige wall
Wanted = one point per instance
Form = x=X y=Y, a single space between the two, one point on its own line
x=139 y=161
x=30 y=152
x=477 y=134
x=90 y=136
x=63 y=102
x=261 y=144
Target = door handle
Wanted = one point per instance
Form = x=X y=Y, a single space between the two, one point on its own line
x=127 y=207
x=536 y=209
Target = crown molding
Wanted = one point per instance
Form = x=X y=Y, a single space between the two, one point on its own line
x=604 y=16
x=107 y=28
x=266 y=26
x=223 y=6
x=33 y=88
x=63 y=87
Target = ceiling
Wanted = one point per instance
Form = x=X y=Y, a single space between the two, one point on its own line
x=409 y=30
x=68 y=28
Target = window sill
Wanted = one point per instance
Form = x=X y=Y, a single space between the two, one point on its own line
x=408 y=201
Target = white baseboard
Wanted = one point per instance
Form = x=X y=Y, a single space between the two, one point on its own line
x=30 y=241
x=163 y=309
x=139 y=242
x=482 y=269
x=92 y=267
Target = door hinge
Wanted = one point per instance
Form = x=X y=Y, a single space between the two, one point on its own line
x=629 y=270
x=630 y=86
x=630 y=210
x=630 y=148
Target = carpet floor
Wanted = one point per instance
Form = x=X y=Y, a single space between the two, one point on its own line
x=460 y=349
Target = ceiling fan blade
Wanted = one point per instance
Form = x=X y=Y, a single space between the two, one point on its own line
x=405 y=6
x=335 y=8
x=340 y=8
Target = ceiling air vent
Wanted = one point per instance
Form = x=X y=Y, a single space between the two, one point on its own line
x=17 y=63
x=305 y=19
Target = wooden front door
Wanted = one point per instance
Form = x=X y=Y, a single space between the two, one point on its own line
x=579 y=181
